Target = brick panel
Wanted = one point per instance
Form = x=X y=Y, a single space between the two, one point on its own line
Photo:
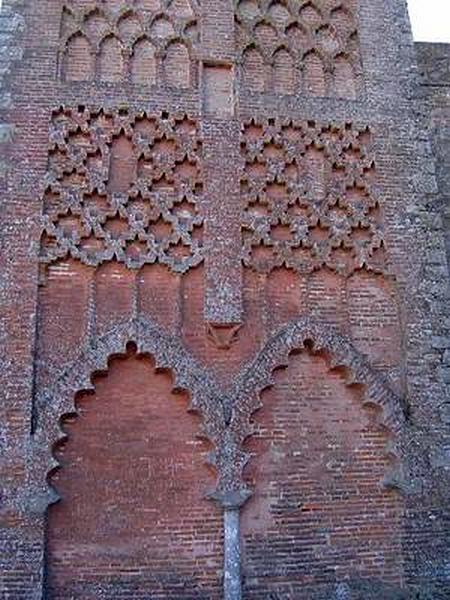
x=133 y=485
x=243 y=190
x=318 y=514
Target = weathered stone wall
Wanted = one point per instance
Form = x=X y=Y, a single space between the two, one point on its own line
x=434 y=70
x=224 y=280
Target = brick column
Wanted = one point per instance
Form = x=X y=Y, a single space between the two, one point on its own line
x=221 y=144
x=221 y=136
x=27 y=63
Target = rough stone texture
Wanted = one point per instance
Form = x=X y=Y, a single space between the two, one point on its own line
x=434 y=71
x=224 y=290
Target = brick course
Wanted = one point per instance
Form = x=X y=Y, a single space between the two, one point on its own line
x=223 y=279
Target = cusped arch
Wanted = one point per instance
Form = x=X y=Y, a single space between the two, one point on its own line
x=226 y=413
x=303 y=334
x=306 y=332
x=58 y=400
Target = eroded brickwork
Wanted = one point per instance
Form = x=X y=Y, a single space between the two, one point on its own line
x=222 y=302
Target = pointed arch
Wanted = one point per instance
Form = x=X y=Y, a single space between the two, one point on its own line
x=143 y=63
x=78 y=63
x=314 y=74
x=68 y=22
x=305 y=332
x=248 y=9
x=168 y=353
x=344 y=78
x=129 y=27
x=342 y=20
x=226 y=413
x=265 y=35
x=96 y=24
x=110 y=62
x=279 y=13
x=253 y=70
x=310 y=15
x=162 y=27
x=132 y=445
x=316 y=448
x=177 y=65
x=284 y=73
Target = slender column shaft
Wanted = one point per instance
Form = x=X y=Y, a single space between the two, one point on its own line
x=232 y=555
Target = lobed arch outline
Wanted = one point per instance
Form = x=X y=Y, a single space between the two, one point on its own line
x=306 y=333
x=58 y=400
x=226 y=413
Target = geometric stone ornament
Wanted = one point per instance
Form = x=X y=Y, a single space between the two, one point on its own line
x=123 y=186
x=309 y=198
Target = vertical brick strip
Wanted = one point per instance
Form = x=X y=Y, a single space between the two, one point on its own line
x=223 y=302
x=223 y=235
x=218 y=31
x=221 y=144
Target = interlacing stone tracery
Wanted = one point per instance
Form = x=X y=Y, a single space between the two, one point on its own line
x=125 y=187
x=308 y=196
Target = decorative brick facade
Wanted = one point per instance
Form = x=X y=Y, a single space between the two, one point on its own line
x=223 y=298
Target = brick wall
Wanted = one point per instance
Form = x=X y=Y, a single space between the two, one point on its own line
x=319 y=515
x=224 y=280
x=433 y=62
x=132 y=516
